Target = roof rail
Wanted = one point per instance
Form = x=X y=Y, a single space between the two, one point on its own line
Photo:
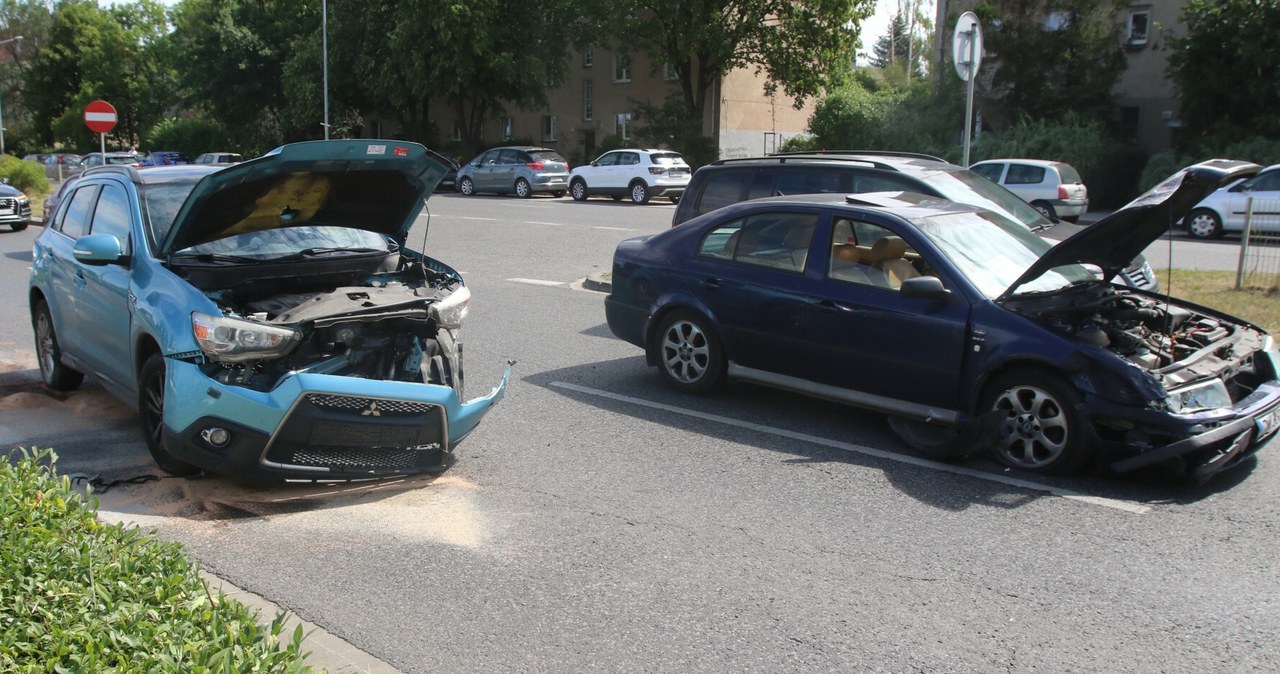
x=883 y=153
x=865 y=158
x=130 y=171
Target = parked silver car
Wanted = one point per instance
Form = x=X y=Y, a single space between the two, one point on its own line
x=1054 y=188
x=519 y=170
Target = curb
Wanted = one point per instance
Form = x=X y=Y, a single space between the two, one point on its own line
x=598 y=281
x=327 y=651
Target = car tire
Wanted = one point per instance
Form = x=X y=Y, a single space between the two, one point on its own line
x=1203 y=223
x=53 y=373
x=1073 y=219
x=1046 y=210
x=19 y=226
x=1041 y=429
x=523 y=189
x=578 y=190
x=558 y=193
x=466 y=187
x=688 y=351
x=674 y=200
x=639 y=193
x=151 y=385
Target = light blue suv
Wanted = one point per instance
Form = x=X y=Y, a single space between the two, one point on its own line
x=264 y=318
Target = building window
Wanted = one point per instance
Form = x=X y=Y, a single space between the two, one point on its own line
x=548 y=127
x=588 y=55
x=508 y=128
x=669 y=73
x=1139 y=27
x=622 y=125
x=622 y=68
x=588 y=100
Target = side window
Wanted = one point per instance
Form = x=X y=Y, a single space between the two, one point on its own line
x=1266 y=182
x=808 y=182
x=609 y=159
x=509 y=157
x=868 y=254
x=75 y=222
x=489 y=158
x=722 y=189
x=774 y=240
x=989 y=171
x=112 y=215
x=868 y=182
x=629 y=159
x=1020 y=174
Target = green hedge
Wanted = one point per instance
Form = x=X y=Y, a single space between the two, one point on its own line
x=78 y=595
x=27 y=176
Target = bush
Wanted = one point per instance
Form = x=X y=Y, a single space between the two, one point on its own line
x=77 y=595
x=191 y=137
x=27 y=176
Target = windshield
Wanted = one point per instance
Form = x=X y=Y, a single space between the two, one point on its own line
x=269 y=244
x=160 y=204
x=966 y=187
x=993 y=253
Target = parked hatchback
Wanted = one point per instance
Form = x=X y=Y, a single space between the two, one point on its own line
x=265 y=318
x=967 y=328
x=521 y=171
x=1227 y=208
x=633 y=173
x=1052 y=187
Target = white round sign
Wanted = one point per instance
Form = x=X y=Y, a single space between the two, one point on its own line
x=966 y=45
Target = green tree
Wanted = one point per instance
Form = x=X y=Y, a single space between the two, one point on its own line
x=1049 y=57
x=893 y=45
x=1230 y=83
x=797 y=44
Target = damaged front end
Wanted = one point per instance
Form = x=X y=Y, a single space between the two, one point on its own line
x=339 y=370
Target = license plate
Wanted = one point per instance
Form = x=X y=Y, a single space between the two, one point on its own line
x=1268 y=422
x=358 y=435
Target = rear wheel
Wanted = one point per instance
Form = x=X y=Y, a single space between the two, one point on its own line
x=558 y=193
x=1045 y=209
x=523 y=190
x=689 y=354
x=151 y=384
x=639 y=193
x=467 y=187
x=674 y=200
x=1041 y=431
x=53 y=373
x=578 y=190
x=1203 y=223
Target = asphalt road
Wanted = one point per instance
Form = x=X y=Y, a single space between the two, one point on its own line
x=596 y=521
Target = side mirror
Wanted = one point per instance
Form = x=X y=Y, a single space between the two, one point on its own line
x=924 y=287
x=99 y=249
x=595 y=163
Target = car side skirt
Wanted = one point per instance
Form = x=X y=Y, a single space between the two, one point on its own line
x=849 y=397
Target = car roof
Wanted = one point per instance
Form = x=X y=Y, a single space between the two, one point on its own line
x=907 y=205
x=148 y=175
x=895 y=161
x=1034 y=162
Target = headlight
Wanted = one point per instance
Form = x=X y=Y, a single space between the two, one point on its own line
x=1209 y=395
x=450 y=311
x=232 y=341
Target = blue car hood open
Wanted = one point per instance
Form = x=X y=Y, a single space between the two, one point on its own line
x=375 y=185
x=1114 y=241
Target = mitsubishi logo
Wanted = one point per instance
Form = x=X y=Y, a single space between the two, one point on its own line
x=372 y=411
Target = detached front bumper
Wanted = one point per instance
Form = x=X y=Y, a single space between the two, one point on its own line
x=317 y=426
x=1211 y=442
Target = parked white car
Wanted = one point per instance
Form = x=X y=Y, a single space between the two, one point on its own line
x=1224 y=210
x=1054 y=188
x=634 y=173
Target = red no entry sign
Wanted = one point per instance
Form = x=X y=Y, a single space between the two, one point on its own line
x=100 y=116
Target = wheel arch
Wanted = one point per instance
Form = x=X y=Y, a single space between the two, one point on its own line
x=143 y=348
x=663 y=310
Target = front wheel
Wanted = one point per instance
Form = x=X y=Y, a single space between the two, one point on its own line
x=19 y=226
x=523 y=190
x=689 y=353
x=674 y=200
x=151 y=384
x=466 y=187
x=53 y=373
x=640 y=193
x=1204 y=224
x=578 y=190
x=1041 y=427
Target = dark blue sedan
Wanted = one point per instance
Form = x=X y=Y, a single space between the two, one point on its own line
x=971 y=332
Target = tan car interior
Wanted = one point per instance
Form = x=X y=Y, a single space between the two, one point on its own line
x=883 y=264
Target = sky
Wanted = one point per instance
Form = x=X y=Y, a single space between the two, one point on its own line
x=878 y=24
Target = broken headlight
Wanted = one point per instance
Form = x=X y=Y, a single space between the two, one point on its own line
x=1209 y=395
x=232 y=341
x=450 y=311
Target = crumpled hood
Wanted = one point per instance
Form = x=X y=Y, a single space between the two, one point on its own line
x=1114 y=241
x=375 y=185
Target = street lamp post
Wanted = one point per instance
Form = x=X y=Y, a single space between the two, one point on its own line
x=324 y=39
x=16 y=38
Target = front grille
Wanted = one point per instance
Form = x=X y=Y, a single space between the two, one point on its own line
x=345 y=459
x=361 y=404
x=6 y=202
x=362 y=434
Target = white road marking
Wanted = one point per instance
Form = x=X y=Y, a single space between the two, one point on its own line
x=1117 y=504
x=617 y=229
x=468 y=217
x=549 y=224
x=536 y=282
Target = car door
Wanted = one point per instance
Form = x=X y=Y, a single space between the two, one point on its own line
x=105 y=309
x=604 y=175
x=905 y=354
x=66 y=282
x=1264 y=190
x=506 y=168
x=749 y=271
x=482 y=171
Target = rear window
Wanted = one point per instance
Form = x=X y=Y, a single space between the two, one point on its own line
x=1069 y=174
x=547 y=156
x=667 y=159
x=723 y=189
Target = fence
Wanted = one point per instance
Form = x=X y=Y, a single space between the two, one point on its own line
x=1259 y=265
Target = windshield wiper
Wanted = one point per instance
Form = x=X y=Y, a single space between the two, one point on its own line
x=216 y=257
x=320 y=252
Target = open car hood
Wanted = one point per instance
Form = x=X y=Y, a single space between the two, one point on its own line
x=1114 y=241
x=375 y=185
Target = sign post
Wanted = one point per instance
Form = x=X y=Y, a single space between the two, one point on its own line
x=966 y=52
x=100 y=117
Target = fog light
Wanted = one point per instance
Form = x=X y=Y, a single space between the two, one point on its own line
x=217 y=437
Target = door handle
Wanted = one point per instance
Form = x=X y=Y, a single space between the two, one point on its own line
x=80 y=281
x=711 y=283
x=828 y=307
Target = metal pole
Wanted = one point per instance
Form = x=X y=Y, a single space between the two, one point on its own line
x=102 y=142
x=324 y=38
x=1244 y=242
x=968 y=108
